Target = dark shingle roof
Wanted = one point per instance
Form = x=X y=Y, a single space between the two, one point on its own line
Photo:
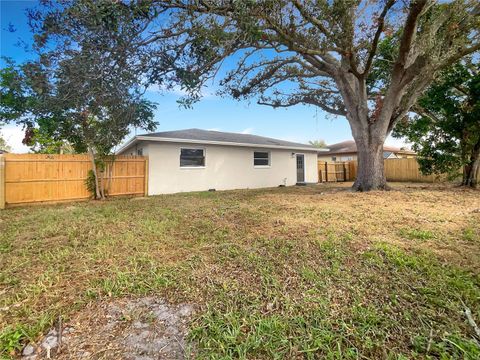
x=349 y=146
x=227 y=137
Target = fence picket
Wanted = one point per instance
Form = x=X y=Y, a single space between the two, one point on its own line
x=31 y=178
x=395 y=170
x=2 y=182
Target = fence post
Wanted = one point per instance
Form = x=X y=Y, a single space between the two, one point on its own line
x=2 y=182
x=326 y=171
x=146 y=176
x=344 y=172
x=319 y=172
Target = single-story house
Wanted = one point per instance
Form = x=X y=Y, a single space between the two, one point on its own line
x=347 y=150
x=199 y=160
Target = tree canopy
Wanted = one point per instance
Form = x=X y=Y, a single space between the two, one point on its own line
x=446 y=130
x=299 y=52
x=320 y=143
x=85 y=88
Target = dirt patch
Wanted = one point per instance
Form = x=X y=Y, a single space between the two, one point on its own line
x=140 y=329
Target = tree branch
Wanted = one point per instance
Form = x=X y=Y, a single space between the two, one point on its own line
x=304 y=99
x=459 y=54
x=311 y=18
x=409 y=30
x=376 y=38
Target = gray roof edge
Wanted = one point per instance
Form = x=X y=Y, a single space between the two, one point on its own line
x=213 y=135
x=293 y=146
x=199 y=136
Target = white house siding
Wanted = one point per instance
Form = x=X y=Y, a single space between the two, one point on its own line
x=226 y=168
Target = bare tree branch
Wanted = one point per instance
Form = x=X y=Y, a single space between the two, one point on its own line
x=376 y=38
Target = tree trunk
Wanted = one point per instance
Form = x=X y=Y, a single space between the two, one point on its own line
x=472 y=169
x=102 y=184
x=370 y=173
x=368 y=129
x=95 y=173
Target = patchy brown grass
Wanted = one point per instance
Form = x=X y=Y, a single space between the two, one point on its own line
x=298 y=272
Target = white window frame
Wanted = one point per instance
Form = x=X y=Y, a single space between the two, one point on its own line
x=192 y=148
x=269 y=159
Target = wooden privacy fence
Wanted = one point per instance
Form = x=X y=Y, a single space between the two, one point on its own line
x=31 y=178
x=395 y=170
x=406 y=170
x=333 y=171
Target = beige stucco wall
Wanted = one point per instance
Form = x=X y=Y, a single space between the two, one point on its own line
x=226 y=168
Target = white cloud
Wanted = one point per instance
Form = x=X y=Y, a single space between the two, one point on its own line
x=247 y=131
x=14 y=135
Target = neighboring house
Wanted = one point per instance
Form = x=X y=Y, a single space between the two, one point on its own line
x=347 y=150
x=3 y=151
x=199 y=160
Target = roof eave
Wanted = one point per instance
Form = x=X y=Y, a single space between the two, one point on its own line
x=211 y=142
x=130 y=142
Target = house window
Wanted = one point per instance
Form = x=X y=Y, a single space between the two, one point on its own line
x=334 y=158
x=140 y=152
x=261 y=158
x=192 y=157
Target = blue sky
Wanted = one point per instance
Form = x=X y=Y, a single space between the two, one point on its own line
x=299 y=123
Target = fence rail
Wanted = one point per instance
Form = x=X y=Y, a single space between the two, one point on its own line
x=395 y=170
x=31 y=178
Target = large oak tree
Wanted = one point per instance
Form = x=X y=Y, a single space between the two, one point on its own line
x=287 y=52
x=321 y=53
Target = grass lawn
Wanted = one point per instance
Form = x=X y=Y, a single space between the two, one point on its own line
x=301 y=272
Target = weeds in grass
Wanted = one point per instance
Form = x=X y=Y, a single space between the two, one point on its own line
x=416 y=234
x=471 y=234
x=279 y=273
x=11 y=339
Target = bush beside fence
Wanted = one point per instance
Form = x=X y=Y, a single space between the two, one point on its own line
x=31 y=178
